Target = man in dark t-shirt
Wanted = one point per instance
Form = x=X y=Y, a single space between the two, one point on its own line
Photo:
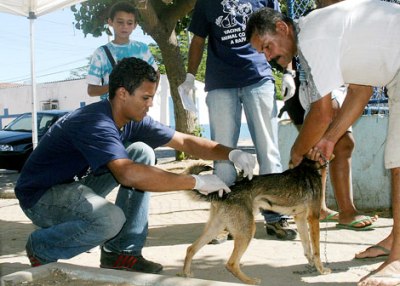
x=237 y=79
x=83 y=157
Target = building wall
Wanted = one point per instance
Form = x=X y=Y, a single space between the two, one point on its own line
x=66 y=95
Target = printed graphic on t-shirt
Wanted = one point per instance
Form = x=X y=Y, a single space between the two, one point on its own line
x=234 y=21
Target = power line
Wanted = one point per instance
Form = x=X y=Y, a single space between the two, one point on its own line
x=41 y=73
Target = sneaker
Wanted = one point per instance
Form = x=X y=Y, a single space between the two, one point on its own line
x=128 y=262
x=281 y=230
x=34 y=259
x=220 y=238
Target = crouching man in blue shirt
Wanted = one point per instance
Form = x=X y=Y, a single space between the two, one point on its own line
x=83 y=157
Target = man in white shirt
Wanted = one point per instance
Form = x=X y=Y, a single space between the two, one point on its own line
x=354 y=43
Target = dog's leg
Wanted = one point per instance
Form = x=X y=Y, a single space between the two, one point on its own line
x=302 y=228
x=213 y=227
x=242 y=237
x=324 y=174
x=313 y=222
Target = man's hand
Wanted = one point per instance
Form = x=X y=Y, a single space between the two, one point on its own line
x=323 y=151
x=244 y=161
x=184 y=93
x=295 y=159
x=207 y=184
x=288 y=85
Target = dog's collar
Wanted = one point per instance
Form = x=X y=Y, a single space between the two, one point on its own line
x=326 y=161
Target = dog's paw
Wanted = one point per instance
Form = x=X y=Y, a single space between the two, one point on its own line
x=186 y=275
x=311 y=262
x=253 y=281
x=324 y=270
x=250 y=281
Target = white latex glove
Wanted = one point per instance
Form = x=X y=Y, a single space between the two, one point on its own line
x=244 y=161
x=288 y=85
x=206 y=184
x=184 y=92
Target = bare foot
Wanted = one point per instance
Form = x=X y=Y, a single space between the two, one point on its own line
x=373 y=252
x=378 y=249
x=388 y=274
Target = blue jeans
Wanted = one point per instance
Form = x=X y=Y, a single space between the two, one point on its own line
x=259 y=105
x=75 y=217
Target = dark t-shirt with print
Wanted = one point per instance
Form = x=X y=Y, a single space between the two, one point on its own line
x=231 y=61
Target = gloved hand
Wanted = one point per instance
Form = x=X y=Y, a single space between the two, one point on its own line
x=288 y=85
x=206 y=184
x=184 y=93
x=244 y=161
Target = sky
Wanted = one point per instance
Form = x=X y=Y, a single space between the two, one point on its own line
x=59 y=47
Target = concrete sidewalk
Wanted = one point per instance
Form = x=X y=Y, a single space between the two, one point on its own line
x=176 y=221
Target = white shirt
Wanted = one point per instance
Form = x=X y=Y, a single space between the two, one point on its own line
x=354 y=41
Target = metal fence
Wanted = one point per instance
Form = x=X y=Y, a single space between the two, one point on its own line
x=379 y=101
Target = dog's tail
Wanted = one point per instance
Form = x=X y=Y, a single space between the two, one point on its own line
x=196 y=169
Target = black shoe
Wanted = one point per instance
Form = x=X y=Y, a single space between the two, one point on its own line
x=281 y=230
x=128 y=262
x=220 y=238
x=34 y=259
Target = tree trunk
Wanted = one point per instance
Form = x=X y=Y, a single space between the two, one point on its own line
x=184 y=121
x=164 y=34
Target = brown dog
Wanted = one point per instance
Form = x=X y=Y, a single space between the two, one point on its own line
x=295 y=192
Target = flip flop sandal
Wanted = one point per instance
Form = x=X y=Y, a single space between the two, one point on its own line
x=351 y=226
x=330 y=217
x=385 y=251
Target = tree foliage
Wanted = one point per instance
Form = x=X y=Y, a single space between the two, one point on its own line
x=184 y=41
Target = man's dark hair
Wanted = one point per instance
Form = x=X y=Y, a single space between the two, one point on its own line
x=130 y=73
x=122 y=7
x=264 y=21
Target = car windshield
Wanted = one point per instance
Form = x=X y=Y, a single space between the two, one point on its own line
x=24 y=123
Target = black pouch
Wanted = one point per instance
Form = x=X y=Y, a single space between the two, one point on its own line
x=293 y=106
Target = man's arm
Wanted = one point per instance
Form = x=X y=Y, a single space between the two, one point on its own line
x=149 y=178
x=196 y=50
x=315 y=124
x=356 y=99
x=153 y=179
x=199 y=147
x=211 y=150
x=353 y=106
x=97 y=90
x=195 y=55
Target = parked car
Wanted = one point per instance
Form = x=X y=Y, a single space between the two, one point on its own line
x=16 y=138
